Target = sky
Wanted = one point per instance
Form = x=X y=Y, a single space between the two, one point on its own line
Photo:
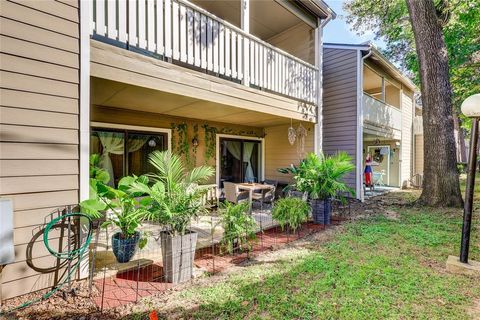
x=338 y=31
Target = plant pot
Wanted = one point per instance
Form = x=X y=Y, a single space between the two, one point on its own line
x=124 y=248
x=321 y=210
x=178 y=253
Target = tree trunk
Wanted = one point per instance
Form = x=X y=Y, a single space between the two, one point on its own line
x=441 y=185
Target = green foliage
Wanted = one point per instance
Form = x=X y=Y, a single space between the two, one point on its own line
x=124 y=210
x=239 y=227
x=322 y=176
x=291 y=212
x=210 y=141
x=389 y=20
x=181 y=145
x=175 y=197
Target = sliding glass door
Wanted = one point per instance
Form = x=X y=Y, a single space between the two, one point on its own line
x=240 y=160
x=111 y=145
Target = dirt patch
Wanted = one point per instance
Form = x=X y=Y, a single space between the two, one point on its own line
x=474 y=310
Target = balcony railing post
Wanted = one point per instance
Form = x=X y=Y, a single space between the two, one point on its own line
x=245 y=24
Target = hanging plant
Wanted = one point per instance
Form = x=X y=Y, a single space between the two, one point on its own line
x=292 y=133
x=301 y=135
x=195 y=143
x=210 y=141
x=181 y=145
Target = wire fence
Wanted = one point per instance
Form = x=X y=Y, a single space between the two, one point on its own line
x=167 y=261
x=117 y=272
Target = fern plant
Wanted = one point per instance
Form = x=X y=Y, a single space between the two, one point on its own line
x=239 y=227
x=291 y=212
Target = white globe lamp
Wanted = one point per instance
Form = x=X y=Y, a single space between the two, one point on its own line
x=471 y=106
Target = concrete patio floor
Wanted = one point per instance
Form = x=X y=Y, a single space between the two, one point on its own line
x=207 y=227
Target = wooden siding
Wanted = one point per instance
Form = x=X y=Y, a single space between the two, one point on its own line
x=39 y=106
x=418 y=163
x=340 y=103
x=298 y=40
x=407 y=135
x=280 y=154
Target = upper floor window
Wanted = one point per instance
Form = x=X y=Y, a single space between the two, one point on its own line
x=125 y=152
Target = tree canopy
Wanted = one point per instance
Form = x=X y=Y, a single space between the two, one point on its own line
x=460 y=19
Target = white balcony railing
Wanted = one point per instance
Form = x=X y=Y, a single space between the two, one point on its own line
x=381 y=114
x=183 y=32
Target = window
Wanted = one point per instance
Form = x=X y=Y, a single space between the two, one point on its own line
x=240 y=160
x=111 y=145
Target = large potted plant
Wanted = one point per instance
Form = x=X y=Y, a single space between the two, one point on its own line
x=174 y=199
x=117 y=206
x=321 y=177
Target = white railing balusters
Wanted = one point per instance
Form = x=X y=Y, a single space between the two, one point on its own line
x=180 y=30
x=168 y=28
x=183 y=33
x=160 y=27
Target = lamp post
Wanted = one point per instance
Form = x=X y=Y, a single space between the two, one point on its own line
x=471 y=109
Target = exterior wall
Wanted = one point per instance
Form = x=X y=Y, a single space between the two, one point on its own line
x=280 y=154
x=407 y=135
x=39 y=134
x=340 y=103
x=418 y=163
x=299 y=41
x=136 y=118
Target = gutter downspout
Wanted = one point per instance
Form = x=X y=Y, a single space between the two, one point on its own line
x=318 y=130
x=359 y=179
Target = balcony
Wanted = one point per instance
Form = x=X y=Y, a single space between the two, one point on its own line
x=180 y=32
x=381 y=115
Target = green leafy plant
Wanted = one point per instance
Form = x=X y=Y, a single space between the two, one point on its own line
x=322 y=176
x=291 y=212
x=176 y=196
x=239 y=227
x=210 y=141
x=182 y=147
x=118 y=206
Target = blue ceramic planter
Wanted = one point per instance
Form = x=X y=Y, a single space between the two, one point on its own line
x=321 y=211
x=124 y=249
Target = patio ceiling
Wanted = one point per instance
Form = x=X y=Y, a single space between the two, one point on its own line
x=121 y=95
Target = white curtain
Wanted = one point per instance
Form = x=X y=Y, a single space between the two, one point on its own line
x=235 y=148
x=112 y=142
x=135 y=142
x=247 y=155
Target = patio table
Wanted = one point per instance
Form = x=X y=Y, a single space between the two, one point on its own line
x=251 y=188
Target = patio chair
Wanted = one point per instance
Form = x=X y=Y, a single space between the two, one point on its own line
x=297 y=194
x=232 y=194
x=265 y=196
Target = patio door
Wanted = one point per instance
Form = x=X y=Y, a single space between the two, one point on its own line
x=240 y=160
x=381 y=155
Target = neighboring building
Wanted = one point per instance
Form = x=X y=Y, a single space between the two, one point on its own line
x=369 y=107
x=124 y=78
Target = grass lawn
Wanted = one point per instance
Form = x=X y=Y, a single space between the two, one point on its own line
x=375 y=268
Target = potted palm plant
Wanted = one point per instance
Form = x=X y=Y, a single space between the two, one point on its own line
x=321 y=177
x=174 y=199
x=118 y=207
